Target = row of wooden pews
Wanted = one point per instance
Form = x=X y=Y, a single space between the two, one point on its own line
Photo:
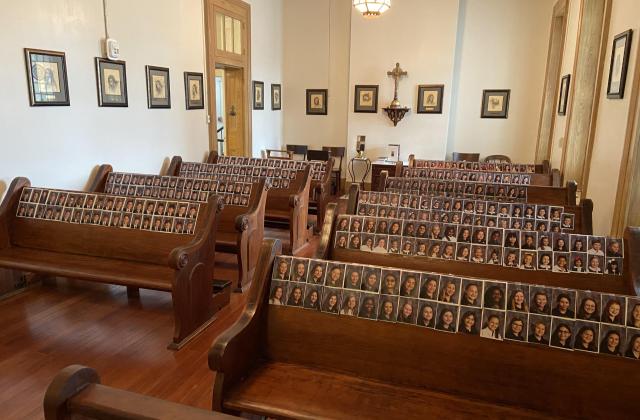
x=278 y=358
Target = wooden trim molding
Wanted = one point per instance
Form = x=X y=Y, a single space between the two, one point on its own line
x=626 y=212
x=555 y=53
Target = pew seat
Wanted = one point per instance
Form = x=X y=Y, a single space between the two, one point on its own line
x=270 y=389
x=181 y=264
x=84 y=267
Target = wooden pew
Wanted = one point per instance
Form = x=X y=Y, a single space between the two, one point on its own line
x=555 y=196
x=76 y=392
x=284 y=206
x=319 y=191
x=287 y=362
x=583 y=212
x=544 y=175
x=628 y=283
x=181 y=264
x=240 y=230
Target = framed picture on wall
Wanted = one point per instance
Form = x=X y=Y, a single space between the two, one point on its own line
x=158 y=87
x=430 y=99
x=276 y=97
x=564 y=94
x=495 y=103
x=111 y=77
x=47 y=77
x=193 y=90
x=258 y=95
x=366 y=98
x=619 y=64
x=317 y=101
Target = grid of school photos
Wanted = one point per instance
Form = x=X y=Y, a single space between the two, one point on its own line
x=574 y=320
x=467 y=175
x=175 y=188
x=528 y=250
x=457 y=189
x=177 y=217
x=525 y=168
x=519 y=216
x=279 y=170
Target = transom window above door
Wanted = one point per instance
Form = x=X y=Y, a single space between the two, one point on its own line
x=228 y=34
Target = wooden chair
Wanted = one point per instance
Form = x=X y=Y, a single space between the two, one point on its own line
x=336 y=173
x=286 y=362
x=298 y=149
x=76 y=392
x=322 y=155
x=468 y=157
x=277 y=154
x=180 y=264
x=241 y=228
x=497 y=159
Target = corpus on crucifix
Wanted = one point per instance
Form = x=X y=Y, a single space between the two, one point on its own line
x=397 y=73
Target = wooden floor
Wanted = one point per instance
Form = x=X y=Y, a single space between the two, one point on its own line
x=71 y=322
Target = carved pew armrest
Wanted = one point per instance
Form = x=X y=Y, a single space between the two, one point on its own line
x=180 y=257
x=238 y=349
x=8 y=207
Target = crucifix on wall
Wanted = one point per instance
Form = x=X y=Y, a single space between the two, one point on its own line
x=395 y=111
x=397 y=73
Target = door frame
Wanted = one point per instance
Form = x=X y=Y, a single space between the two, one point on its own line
x=546 y=125
x=242 y=11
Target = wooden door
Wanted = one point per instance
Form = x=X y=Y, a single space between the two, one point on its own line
x=228 y=47
x=234 y=110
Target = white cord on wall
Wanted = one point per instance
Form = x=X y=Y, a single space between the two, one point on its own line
x=104 y=14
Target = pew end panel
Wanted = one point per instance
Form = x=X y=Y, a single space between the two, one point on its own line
x=290 y=207
x=212 y=157
x=174 y=166
x=238 y=350
x=100 y=179
x=241 y=232
x=320 y=194
x=327 y=235
x=76 y=392
x=632 y=258
x=192 y=286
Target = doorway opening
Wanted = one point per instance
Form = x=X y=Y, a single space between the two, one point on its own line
x=230 y=111
x=228 y=50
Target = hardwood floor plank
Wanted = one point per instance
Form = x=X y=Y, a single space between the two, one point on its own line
x=67 y=321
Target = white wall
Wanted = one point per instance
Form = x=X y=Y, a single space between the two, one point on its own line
x=497 y=44
x=611 y=125
x=59 y=146
x=421 y=36
x=316 y=56
x=503 y=45
x=266 y=66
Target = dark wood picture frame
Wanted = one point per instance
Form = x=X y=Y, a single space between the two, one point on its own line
x=486 y=112
x=563 y=98
x=322 y=110
x=106 y=96
x=421 y=107
x=276 y=102
x=258 y=95
x=357 y=103
x=41 y=74
x=615 y=88
x=157 y=102
x=190 y=99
